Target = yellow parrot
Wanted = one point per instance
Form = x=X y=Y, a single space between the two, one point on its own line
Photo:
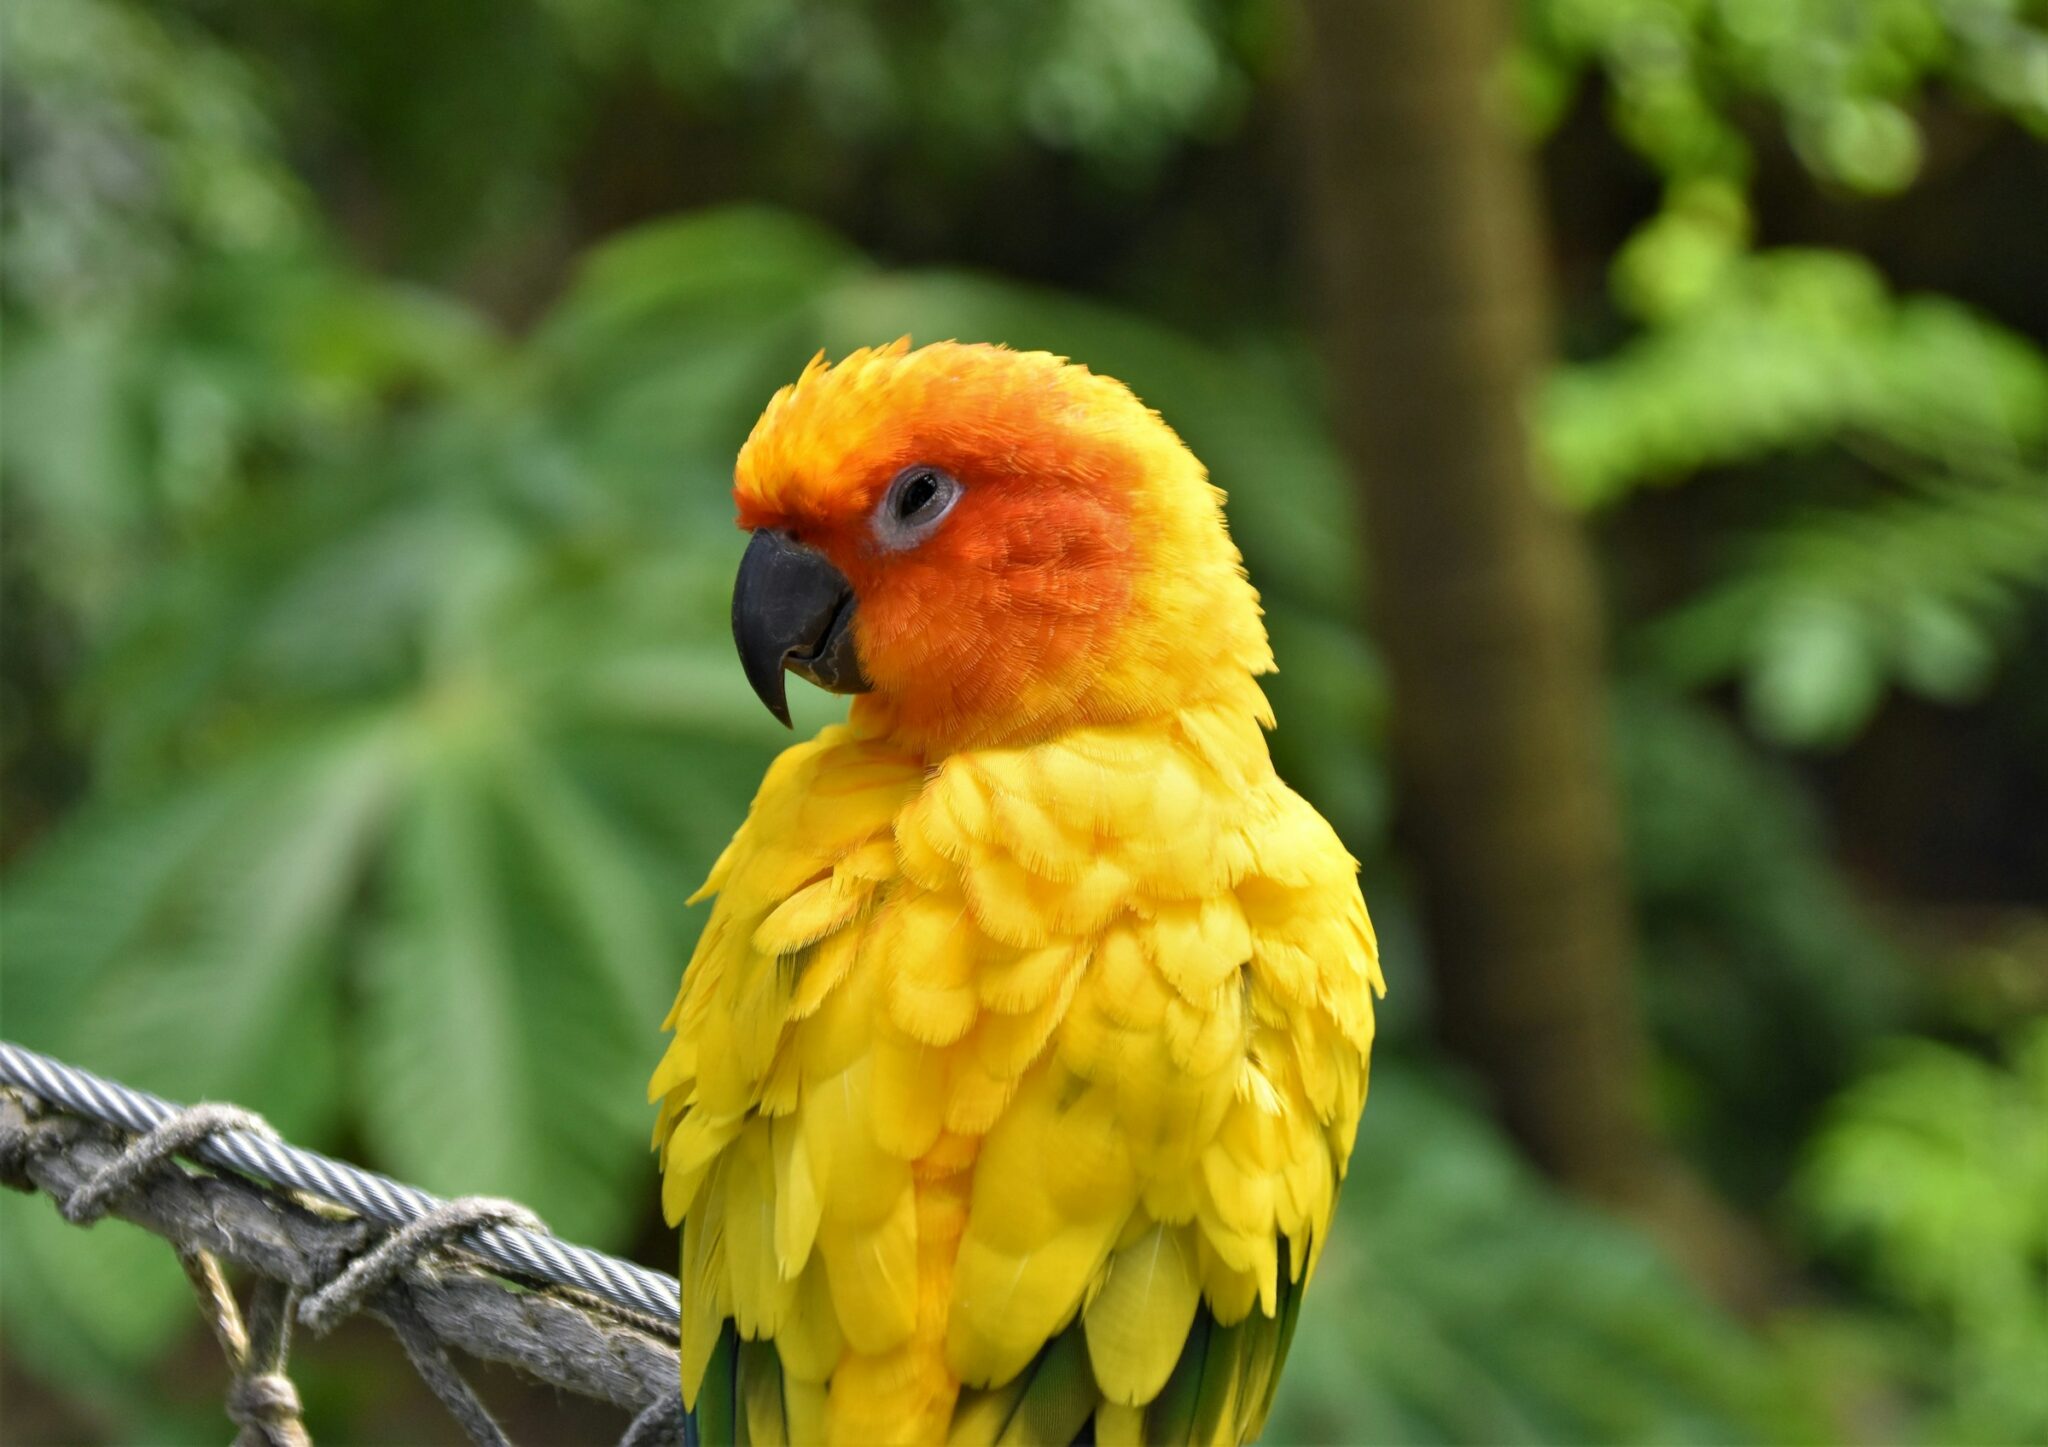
x=1015 y=1072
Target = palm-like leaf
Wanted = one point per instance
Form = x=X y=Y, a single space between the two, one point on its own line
x=1459 y=1301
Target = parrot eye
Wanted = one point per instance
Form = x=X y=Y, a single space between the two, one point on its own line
x=916 y=502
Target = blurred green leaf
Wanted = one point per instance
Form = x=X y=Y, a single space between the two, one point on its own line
x=1843 y=77
x=443 y=1029
x=1791 y=350
x=1821 y=613
x=1813 y=676
x=105 y=1355
x=1934 y=1173
x=1767 y=980
x=1460 y=1301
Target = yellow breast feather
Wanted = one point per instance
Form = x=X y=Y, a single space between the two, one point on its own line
x=1014 y=1089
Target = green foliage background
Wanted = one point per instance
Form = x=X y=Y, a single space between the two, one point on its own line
x=371 y=381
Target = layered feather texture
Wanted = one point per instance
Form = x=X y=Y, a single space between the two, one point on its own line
x=1015 y=1073
x=1069 y=1032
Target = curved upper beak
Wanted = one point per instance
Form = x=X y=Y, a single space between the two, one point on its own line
x=791 y=609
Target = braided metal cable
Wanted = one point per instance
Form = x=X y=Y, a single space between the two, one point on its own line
x=514 y=1250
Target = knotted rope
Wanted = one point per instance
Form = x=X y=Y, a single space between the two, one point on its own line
x=345 y=1295
x=176 y=1136
x=420 y=1274
x=261 y=1400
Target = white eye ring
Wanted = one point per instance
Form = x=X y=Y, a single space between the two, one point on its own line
x=918 y=499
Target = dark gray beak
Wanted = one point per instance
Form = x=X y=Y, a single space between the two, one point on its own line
x=791 y=609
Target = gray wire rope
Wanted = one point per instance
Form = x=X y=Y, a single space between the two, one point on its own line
x=511 y=1249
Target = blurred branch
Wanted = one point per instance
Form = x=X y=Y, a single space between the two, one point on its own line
x=562 y=1338
x=1481 y=589
x=1437 y=324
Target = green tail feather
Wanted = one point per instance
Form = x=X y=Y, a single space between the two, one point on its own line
x=715 y=1420
x=1171 y=1417
x=1270 y=1339
x=744 y=1401
x=1059 y=1400
x=1222 y=1387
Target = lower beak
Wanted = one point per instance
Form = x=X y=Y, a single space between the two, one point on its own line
x=791 y=609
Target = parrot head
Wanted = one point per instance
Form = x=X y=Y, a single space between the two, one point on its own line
x=992 y=546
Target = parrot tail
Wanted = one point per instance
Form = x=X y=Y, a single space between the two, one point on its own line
x=1219 y=1393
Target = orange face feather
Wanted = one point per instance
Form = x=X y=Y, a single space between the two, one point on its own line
x=1084 y=576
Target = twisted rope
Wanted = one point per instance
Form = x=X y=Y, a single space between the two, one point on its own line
x=345 y=1295
x=263 y=1403
x=624 y=1361
x=177 y=1135
x=517 y=1250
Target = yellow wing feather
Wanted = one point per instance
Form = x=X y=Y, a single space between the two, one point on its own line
x=1065 y=1038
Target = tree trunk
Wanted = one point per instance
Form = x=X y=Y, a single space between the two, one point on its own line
x=1437 y=322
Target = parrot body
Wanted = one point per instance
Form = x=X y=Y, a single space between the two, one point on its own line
x=1015 y=1072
